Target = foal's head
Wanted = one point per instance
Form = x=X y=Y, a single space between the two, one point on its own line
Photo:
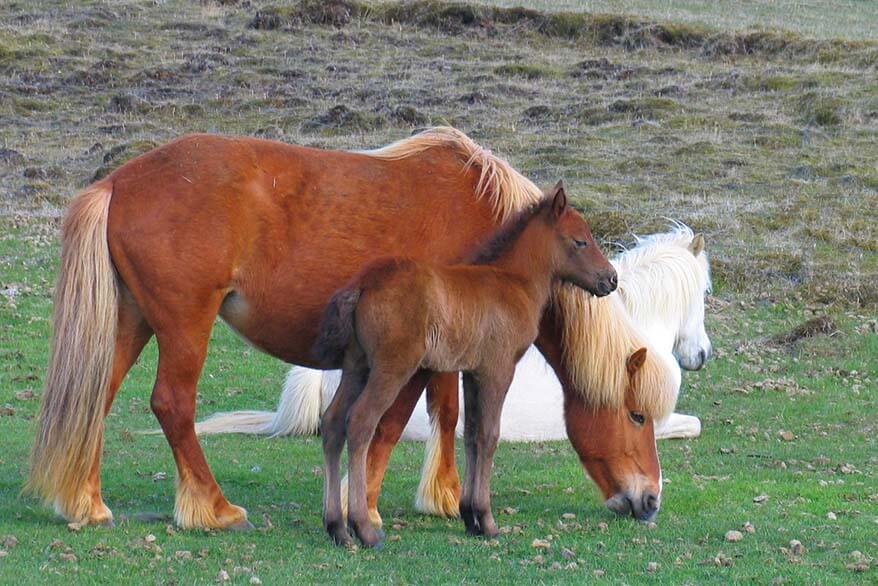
x=578 y=259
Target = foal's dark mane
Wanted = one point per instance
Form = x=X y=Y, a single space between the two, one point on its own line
x=502 y=239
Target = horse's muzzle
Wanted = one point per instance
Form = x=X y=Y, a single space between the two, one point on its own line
x=643 y=507
x=607 y=283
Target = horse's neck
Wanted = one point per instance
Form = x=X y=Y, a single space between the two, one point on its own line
x=529 y=259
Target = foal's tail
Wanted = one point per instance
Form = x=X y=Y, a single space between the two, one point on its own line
x=336 y=327
x=71 y=417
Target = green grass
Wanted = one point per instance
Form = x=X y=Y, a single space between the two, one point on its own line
x=772 y=155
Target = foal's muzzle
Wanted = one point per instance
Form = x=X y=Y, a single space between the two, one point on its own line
x=607 y=283
x=643 y=507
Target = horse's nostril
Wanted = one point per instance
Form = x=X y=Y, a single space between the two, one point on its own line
x=650 y=503
x=702 y=356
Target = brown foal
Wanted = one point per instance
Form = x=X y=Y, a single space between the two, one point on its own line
x=400 y=318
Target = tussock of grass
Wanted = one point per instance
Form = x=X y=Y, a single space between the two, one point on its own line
x=609 y=30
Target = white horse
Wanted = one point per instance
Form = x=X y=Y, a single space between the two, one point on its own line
x=663 y=281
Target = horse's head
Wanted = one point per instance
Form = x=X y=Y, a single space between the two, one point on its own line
x=617 y=447
x=692 y=344
x=579 y=259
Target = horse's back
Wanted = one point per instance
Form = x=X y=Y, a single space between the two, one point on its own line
x=275 y=229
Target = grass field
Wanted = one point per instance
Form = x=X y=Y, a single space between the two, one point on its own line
x=763 y=141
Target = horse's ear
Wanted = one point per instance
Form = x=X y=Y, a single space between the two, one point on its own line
x=696 y=247
x=559 y=198
x=636 y=360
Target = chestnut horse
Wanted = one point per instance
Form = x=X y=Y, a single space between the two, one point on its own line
x=261 y=233
x=400 y=317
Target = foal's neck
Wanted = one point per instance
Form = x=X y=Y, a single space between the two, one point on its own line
x=531 y=259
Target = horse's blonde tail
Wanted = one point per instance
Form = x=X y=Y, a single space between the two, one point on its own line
x=298 y=411
x=435 y=497
x=71 y=420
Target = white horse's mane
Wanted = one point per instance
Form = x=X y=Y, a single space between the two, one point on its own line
x=660 y=276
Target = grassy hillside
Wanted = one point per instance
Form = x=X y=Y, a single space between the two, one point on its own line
x=763 y=140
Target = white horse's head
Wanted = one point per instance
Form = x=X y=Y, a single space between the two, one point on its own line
x=664 y=280
x=692 y=346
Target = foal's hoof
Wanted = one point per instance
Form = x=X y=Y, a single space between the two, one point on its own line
x=339 y=534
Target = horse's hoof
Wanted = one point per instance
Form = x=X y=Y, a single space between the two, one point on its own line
x=242 y=525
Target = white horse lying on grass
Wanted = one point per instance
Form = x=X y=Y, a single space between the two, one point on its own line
x=663 y=281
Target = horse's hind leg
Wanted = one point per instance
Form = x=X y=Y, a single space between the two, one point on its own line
x=132 y=334
x=332 y=430
x=182 y=343
x=381 y=390
x=386 y=436
x=439 y=490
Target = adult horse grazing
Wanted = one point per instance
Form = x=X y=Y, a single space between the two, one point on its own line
x=400 y=317
x=262 y=233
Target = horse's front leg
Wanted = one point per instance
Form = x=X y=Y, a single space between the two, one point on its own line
x=470 y=431
x=492 y=392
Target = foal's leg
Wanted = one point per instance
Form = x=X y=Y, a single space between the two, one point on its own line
x=470 y=429
x=492 y=393
x=439 y=490
x=182 y=343
x=386 y=436
x=332 y=430
x=382 y=388
x=132 y=334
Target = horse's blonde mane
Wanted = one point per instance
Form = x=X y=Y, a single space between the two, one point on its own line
x=599 y=337
x=509 y=191
x=661 y=276
x=598 y=334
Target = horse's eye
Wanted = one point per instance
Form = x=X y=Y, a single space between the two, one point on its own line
x=580 y=243
x=636 y=417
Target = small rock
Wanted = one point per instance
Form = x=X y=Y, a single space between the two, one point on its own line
x=568 y=516
x=10 y=541
x=722 y=560
x=183 y=554
x=67 y=556
x=159 y=476
x=568 y=553
x=831 y=516
x=748 y=527
x=222 y=576
x=541 y=544
x=760 y=499
x=555 y=566
x=255 y=580
x=150 y=538
x=652 y=566
x=602 y=526
x=734 y=536
x=651 y=525
x=24 y=395
x=507 y=510
x=786 y=436
x=598 y=573
x=796 y=547
x=538 y=559
x=395 y=537
x=169 y=530
x=74 y=527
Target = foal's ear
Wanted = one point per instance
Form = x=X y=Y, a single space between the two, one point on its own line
x=696 y=247
x=559 y=198
x=636 y=360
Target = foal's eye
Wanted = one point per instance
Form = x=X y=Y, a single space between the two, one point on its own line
x=580 y=243
x=636 y=417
